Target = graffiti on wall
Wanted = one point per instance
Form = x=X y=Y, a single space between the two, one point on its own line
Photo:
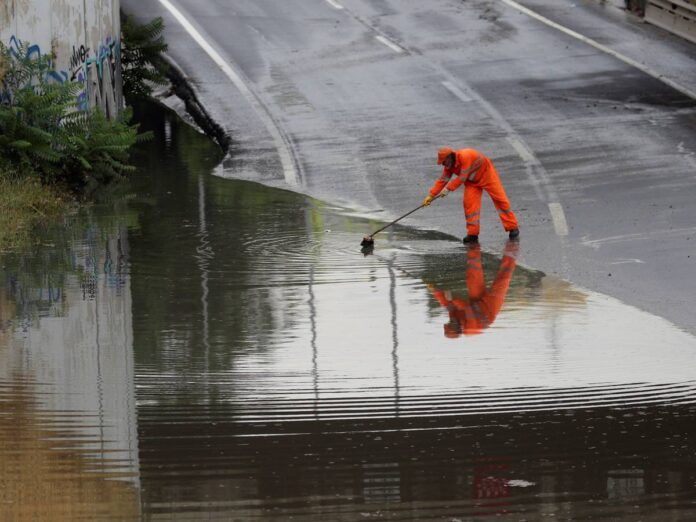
x=99 y=73
x=34 y=51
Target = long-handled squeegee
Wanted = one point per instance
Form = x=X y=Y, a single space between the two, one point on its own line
x=369 y=242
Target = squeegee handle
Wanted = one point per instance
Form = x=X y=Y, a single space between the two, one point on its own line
x=401 y=217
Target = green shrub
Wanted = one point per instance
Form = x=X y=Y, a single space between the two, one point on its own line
x=141 y=60
x=43 y=134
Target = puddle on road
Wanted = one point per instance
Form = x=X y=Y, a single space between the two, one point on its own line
x=214 y=348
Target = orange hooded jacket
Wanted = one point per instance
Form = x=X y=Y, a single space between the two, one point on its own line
x=470 y=167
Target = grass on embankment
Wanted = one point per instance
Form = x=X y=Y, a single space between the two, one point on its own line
x=24 y=205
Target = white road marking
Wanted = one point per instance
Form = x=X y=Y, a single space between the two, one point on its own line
x=384 y=40
x=560 y=224
x=603 y=48
x=282 y=143
x=596 y=243
x=626 y=261
x=334 y=4
x=522 y=150
x=456 y=91
x=536 y=172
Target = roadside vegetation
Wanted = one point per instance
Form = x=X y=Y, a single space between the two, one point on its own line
x=54 y=155
x=141 y=57
x=43 y=135
x=26 y=204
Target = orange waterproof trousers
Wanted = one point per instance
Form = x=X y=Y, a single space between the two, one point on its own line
x=472 y=203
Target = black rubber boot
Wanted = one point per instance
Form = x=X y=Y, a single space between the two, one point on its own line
x=469 y=240
x=514 y=233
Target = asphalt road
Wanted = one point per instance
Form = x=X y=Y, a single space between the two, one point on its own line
x=348 y=100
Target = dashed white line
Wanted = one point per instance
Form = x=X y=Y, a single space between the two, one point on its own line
x=334 y=4
x=384 y=40
x=600 y=47
x=456 y=91
x=290 y=171
x=560 y=224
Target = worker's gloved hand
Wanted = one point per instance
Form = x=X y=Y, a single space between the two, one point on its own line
x=444 y=192
x=428 y=200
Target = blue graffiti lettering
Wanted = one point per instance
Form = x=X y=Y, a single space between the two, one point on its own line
x=99 y=73
x=34 y=52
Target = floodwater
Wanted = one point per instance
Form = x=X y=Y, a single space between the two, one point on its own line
x=201 y=348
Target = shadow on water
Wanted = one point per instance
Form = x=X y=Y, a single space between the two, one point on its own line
x=279 y=373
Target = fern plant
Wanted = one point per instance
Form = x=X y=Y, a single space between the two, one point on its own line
x=21 y=68
x=42 y=132
x=24 y=145
x=141 y=56
x=97 y=149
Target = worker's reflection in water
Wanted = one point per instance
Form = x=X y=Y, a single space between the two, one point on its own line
x=477 y=312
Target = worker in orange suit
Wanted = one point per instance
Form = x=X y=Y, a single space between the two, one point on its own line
x=478 y=311
x=477 y=173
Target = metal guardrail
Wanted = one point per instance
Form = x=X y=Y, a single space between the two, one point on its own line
x=676 y=16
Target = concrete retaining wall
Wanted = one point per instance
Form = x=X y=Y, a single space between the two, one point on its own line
x=84 y=35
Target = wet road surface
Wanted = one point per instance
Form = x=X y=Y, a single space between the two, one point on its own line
x=216 y=349
x=349 y=100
